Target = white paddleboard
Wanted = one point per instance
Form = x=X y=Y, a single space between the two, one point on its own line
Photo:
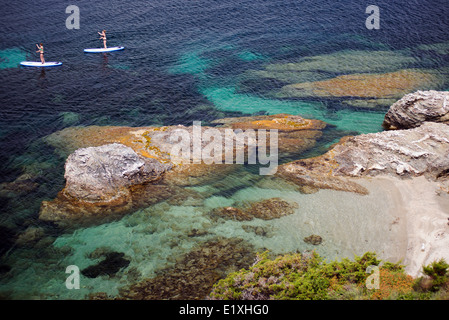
x=40 y=64
x=95 y=50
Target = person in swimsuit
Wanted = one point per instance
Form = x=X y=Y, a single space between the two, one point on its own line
x=103 y=37
x=41 y=51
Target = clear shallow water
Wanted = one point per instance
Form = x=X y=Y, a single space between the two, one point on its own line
x=153 y=238
x=184 y=62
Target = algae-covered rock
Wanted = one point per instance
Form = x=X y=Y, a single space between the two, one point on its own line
x=313 y=239
x=232 y=213
x=347 y=61
x=30 y=236
x=24 y=184
x=267 y=209
x=357 y=78
x=194 y=274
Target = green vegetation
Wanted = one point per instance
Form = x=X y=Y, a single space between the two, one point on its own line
x=310 y=277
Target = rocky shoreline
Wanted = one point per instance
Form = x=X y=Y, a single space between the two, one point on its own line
x=111 y=171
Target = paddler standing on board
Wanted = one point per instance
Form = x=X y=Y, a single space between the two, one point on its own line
x=41 y=51
x=103 y=37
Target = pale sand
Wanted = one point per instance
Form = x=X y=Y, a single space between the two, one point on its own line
x=426 y=213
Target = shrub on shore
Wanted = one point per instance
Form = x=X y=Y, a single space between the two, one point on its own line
x=310 y=277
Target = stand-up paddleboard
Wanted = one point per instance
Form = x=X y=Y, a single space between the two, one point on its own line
x=40 y=64
x=96 y=50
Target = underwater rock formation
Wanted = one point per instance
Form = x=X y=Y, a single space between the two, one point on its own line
x=265 y=209
x=112 y=263
x=422 y=151
x=30 y=236
x=313 y=239
x=363 y=79
x=231 y=213
x=24 y=184
x=415 y=108
x=340 y=62
x=258 y=230
x=193 y=276
x=377 y=88
x=271 y=208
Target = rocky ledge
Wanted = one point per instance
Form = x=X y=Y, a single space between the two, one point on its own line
x=421 y=151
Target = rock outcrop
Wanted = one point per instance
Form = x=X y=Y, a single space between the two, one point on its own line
x=30 y=236
x=422 y=151
x=99 y=181
x=99 y=173
x=113 y=170
x=415 y=108
x=24 y=184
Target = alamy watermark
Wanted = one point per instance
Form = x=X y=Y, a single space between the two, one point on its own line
x=373 y=21
x=373 y=281
x=228 y=146
x=73 y=280
x=73 y=20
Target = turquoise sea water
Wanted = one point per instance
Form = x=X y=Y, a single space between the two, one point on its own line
x=193 y=61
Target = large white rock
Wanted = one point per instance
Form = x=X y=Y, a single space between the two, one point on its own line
x=415 y=108
x=98 y=173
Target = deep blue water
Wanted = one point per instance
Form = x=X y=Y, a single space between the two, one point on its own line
x=184 y=60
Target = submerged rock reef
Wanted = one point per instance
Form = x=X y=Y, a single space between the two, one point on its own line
x=194 y=274
x=266 y=210
x=357 y=78
x=110 y=265
x=374 y=86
